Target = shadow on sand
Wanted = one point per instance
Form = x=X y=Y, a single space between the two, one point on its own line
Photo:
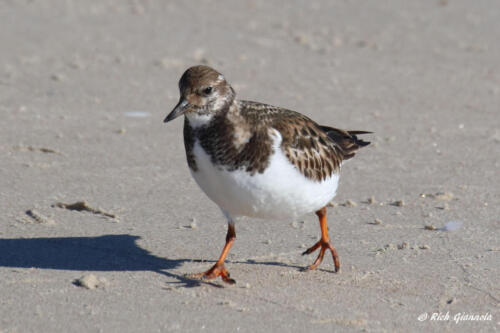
x=102 y=253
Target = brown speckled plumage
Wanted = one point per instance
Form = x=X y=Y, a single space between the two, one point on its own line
x=239 y=134
x=316 y=151
x=217 y=140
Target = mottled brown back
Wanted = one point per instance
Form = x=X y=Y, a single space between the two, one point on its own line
x=317 y=151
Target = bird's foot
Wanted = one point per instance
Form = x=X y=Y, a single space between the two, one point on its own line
x=325 y=245
x=214 y=272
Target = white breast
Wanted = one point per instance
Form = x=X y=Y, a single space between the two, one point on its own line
x=280 y=192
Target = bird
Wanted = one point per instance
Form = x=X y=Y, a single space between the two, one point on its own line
x=259 y=161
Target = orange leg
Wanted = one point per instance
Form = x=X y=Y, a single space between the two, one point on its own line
x=324 y=243
x=219 y=269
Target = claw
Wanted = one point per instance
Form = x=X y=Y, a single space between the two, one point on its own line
x=324 y=246
x=312 y=248
x=214 y=272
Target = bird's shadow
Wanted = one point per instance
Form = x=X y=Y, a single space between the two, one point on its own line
x=101 y=253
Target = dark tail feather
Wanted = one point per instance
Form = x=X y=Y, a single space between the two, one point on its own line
x=359 y=142
x=346 y=140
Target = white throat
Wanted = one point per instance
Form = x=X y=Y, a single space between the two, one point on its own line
x=196 y=120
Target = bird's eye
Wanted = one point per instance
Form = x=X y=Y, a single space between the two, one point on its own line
x=207 y=90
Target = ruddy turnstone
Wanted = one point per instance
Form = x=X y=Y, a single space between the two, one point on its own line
x=259 y=160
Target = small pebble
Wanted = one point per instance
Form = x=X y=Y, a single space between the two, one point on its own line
x=39 y=218
x=444 y=196
x=444 y=207
x=424 y=247
x=90 y=281
x=371 y=200
x=350 y=203
x=398 y=203
x=76 y=64
x=402 y=246
x=301 y=39
x=384 y=249
x=57 y=77
x=429 y=227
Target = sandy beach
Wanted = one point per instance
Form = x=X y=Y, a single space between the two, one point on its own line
x=101 y=221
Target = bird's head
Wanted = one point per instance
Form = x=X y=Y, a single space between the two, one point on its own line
x=204 y=92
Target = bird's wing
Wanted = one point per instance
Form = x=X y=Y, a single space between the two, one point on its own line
x=316 y=151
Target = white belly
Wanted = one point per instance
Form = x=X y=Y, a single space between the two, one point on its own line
x=280 y=192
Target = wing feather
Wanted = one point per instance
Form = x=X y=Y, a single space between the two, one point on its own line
x=316 y=151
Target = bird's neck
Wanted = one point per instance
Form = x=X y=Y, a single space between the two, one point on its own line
x=197 y=120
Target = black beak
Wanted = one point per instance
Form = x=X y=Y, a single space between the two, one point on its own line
x=179 y=110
